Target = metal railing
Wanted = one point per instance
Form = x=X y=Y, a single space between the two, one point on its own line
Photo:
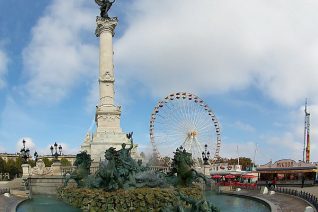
x=304 y=195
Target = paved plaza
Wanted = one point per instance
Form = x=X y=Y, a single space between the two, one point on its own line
x=9 y=204
x=280 y=202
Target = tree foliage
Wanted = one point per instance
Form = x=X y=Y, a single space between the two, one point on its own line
x=2 y=165
x=47 y=162
x=13 y=167
x=65 y=162
x=32 y=163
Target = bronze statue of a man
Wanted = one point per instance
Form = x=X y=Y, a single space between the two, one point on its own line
x=104 y=5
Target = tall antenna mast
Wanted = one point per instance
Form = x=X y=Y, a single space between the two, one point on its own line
x=305 y=131
x=238 y=155
x=307 y=135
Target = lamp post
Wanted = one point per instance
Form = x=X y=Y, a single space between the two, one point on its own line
x=57 y=152
x=205 y=155
x=35 y=156
x=24 y=153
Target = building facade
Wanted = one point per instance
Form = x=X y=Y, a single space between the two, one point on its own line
x=288 y=172
x=8 y=156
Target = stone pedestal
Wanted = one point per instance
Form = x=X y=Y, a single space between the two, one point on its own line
x=45 y=184
x=206 y=170
x=56 y=168
x=26 y=170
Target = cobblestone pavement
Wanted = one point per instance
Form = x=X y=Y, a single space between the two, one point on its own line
x=283 y=203
x=9 y=204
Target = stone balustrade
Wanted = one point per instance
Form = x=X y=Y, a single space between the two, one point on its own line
x=163 y=169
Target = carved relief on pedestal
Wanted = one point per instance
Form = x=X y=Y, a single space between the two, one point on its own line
x=108 y=118
x=40 y=169
x=105 y=24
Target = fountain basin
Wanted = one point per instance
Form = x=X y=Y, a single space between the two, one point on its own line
x=231 y=203
x=47 y=203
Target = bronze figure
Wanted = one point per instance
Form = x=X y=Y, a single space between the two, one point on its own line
x=104 y=5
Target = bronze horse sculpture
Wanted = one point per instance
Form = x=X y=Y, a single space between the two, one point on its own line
x=80 y=174
x=182 y=166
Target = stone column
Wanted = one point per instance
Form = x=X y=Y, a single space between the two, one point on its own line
x=107 y=114
x=105 y=31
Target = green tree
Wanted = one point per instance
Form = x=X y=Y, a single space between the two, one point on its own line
x=246 y=163
x=65 y=162
x=47 y=162
x=13 y=168
x=2 y=165
x=18 y=165
x=32 y=163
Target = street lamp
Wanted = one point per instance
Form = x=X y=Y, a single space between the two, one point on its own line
x=206 y=155
x=36 y=156
x=25 y=153
x=57 y=152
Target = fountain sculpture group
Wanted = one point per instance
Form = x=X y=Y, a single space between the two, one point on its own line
x=121 y=173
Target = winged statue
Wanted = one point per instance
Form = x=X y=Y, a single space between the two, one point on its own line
x=104 y=6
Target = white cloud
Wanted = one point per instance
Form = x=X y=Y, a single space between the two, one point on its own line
x=243 y=126
x=58 y=58
x=229 y=150
x=285 y=146
x=217 y=46
x=290 y=143
x=28 y=144
x=67 y=150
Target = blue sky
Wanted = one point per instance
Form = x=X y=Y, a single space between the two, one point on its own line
x=253 y=62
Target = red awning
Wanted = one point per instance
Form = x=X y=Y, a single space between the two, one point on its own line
x=248 y=176
x=229 y=176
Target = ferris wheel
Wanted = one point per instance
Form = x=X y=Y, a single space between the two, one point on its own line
x=183 y=119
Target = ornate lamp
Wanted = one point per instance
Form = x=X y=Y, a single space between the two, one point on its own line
x=24 y=153
x=51 y=148
x=56 y=151
x=60 y=149
x=36 y=156
x=206 y=155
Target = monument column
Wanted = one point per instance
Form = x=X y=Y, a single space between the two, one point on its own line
x=108 y=131
x=107 y=114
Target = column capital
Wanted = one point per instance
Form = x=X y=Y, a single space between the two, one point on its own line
x=105 y=25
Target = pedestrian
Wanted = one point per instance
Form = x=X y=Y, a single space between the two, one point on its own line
x=302 y=181
x=274 y=183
